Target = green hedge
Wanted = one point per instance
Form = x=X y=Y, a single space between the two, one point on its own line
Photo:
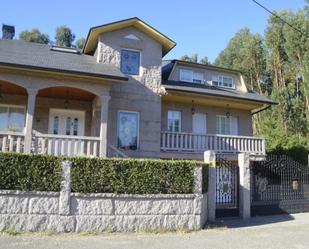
x=29 y=172
x=134 y=176
x=95 y=175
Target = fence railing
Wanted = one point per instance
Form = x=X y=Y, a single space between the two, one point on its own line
x=190 y=142
x=65 y=145
x=11 y=141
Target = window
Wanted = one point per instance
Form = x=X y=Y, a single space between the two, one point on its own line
x=75 y=127
x=227 y=126
x=56 y=125
x=186 y=75
x=128 y=125
x=198 y=77
x=190 y=76
x=223 y=81
x=12 y=118
x=174 y=121
x=68 y=126
x=130 y=62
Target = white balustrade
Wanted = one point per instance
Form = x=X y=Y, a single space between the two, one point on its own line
x=190 y=142
x=12 y=141
x=65 y=145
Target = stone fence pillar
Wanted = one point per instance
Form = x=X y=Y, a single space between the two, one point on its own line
x=244 y=184
x=210 y=159
x=65 y=191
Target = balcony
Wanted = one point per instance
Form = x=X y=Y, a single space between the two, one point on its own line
x=224 y=144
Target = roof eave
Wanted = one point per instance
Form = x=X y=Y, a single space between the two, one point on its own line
x=45 y=69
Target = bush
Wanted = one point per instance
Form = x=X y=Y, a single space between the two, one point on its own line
x=29 y=172
x=97 y=175
x=132 y=176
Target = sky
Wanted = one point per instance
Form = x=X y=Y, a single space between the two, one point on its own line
x=197 y=26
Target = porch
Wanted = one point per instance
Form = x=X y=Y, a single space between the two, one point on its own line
x=65 y=119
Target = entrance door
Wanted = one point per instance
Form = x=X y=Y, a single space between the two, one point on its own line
x=199 y=127
x=66 y=122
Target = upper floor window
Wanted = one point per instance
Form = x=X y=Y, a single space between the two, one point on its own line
x=174 y=121
x=223 y=81
x=130 y=62
x=191 y=76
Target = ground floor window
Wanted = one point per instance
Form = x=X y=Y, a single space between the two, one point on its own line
x=174 y=121
x=128 y=129
x=12 y=118
x=227 y=125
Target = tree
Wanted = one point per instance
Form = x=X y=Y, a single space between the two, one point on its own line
x=194 y=59
x=80 y=43
x=34 y=36
x=64 y=36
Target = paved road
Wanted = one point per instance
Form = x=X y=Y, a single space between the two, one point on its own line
x=262 y=232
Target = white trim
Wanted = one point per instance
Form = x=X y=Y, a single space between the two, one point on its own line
x=138 y=126
x=140 y=60
x=220 y=83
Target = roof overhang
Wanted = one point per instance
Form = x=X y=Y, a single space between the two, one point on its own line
x=187 y=94
x=61 y=72
x=94 y=32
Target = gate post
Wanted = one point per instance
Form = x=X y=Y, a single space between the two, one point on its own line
x=210 y=159
x=244 y=188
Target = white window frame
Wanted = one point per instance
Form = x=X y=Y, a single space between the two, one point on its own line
x=138 y=127
x=230 y=124
x=180 y=121
x=16 y=106
x=219 y=79
x=140 y=60
x=185 y=71
x=196 y=76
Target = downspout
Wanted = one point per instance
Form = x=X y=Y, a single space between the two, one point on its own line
x=260 y=110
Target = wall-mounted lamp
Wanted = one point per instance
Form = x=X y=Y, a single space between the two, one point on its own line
x=67 y=102
x=192 y=108
x=228 y=114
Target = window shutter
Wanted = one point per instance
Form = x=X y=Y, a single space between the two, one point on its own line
x=234 y=125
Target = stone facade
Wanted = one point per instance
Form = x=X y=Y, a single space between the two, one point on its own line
x=140 y=93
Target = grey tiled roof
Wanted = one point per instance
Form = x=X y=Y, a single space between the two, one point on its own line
x=40 y=56
x=215 y=91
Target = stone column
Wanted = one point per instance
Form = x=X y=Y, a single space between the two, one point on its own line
x=29 y=119
x=103 y=125
x=244 y=186
x=210 y=159
x=65 y=191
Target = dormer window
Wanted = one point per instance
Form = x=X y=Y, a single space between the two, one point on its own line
x=223 y=81
x=191 y=76
x=130 y=61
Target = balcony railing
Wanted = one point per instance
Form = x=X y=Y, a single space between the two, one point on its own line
x=197 y=143
x=11 y=141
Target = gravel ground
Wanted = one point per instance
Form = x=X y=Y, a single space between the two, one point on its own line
x=282 y=231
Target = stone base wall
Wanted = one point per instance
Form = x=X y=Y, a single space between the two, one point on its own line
x=43 y=211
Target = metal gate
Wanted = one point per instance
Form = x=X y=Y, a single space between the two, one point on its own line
x=227 y=188
x=279 y=185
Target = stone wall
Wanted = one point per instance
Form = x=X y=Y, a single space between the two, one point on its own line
x=97 y=212
x=39 y=211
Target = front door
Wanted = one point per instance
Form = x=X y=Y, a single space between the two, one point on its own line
x=66 y=122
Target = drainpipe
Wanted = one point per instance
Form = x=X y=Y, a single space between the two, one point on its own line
x=260 y=110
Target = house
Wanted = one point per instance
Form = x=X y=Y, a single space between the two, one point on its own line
x=117 y=97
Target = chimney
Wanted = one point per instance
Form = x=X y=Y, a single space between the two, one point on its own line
x=8 y=32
